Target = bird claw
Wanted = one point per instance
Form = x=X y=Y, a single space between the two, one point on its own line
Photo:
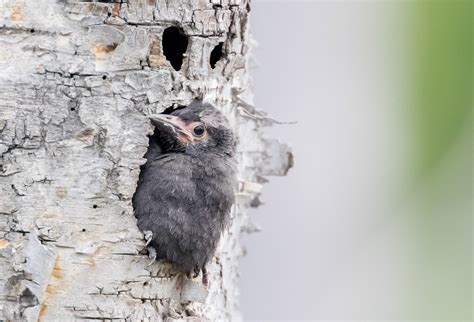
x=148 y=234
x=151 y=254
x=197 y=271
x=205 y=277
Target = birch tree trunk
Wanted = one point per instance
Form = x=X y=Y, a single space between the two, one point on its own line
x=77 y=81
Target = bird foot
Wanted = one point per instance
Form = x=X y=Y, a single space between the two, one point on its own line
x=205 y=277
x=152 y=255
x=197 y=271
x=148 y=234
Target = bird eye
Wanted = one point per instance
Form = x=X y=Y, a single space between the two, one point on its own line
x=199 y=130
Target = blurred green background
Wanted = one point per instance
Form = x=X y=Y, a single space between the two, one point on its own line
x=374 y=222
x=440 y=56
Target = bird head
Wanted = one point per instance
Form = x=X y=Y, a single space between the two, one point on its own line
x=197 y=128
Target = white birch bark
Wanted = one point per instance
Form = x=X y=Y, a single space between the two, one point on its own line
x=77 y=81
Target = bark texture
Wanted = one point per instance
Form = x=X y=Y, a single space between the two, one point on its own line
x=77 y=81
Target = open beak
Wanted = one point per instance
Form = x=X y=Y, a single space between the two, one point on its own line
x=175 y=123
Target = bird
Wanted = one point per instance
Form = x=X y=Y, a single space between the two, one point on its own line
x=187 y=186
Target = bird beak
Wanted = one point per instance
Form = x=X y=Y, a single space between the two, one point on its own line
x=175 y=123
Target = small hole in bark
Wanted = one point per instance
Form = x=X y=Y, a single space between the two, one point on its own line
x=104 y=77
x=27 y=298
x=171 y=109
x=32 y=30
x=73 y=108
x=94 y=206
x=109 y=14
x=216 y=55
x=145 y=283
x=175 y=43
x=83 y=229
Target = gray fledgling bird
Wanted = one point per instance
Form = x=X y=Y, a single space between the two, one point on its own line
x=187 y=186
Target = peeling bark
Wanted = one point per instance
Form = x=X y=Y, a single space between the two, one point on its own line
x=77 y=81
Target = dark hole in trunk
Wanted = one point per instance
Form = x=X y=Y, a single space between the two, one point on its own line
x=171 y=109
x=216 y=54
x=174 y=44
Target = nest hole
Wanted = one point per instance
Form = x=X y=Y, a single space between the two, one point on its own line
x=216 y=54
x=174 y=45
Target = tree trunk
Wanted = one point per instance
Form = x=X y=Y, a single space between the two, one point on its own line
x=77 y=81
